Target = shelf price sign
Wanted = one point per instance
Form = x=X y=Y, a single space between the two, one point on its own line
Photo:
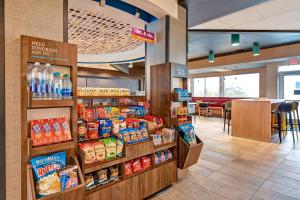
x=143 y=35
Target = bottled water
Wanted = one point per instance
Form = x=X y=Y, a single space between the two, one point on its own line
x=40 y=82
x=48 y=76
x=67 y=87
x=33 y=79
x=57 y=89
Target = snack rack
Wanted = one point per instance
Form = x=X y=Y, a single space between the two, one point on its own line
x=164 y=102
x=61 y=55
x=138 y=185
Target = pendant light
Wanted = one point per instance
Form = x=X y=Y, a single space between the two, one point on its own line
x=235 y=40
x=256 y=49
x=211 y=57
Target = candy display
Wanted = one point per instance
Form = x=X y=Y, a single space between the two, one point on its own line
x=50 y=174
x=88 y=91
x=49 y=131
x=163 y=156
x=104 y=149
x=188 y=133
x=102 y=177
x=164 y=136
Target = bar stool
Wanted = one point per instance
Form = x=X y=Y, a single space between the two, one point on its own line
x=203 y=107
x=284 y=111
x=227 y=114
x=296 y=119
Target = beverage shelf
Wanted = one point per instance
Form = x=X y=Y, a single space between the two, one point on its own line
x=50 y=103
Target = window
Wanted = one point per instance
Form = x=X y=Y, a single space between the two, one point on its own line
x=245 y=85
x=207 y=87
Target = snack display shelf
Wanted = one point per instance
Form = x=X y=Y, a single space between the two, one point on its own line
x=87 y=168
x=100 y=187
x=165 y=162
x=138 y=173
x=75 y=193
x=165 y=146
x=108 y=97
x=50 y=103
x=40 y=150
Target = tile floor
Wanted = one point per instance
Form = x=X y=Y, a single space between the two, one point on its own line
x=236 y=168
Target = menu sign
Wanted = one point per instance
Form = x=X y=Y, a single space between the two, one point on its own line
x=180 y=71
x=142 y=35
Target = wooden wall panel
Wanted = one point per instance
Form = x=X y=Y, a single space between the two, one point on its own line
x=40 y=18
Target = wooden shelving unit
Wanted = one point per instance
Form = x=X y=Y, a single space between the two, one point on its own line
x=64 y=56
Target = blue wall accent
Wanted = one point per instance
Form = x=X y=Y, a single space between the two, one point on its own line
x=121 y=5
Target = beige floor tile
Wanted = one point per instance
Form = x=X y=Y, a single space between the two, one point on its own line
x=282 y=189
x=264 y=194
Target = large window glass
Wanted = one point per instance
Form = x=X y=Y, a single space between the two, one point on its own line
x=245 y=85
x=207 y=87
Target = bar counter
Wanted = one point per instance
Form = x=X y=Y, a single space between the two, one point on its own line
x=251 y=118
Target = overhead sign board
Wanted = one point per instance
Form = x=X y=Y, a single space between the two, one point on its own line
x=143 y=35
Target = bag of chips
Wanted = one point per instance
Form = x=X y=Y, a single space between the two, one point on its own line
x=146 y=162
x=105 y=126
x=45 y=170
x=136 y=165
x=120 y=145
x=89 y=153
x=144 y=132
x=48 y=131
x=162 y=156
x=116 y=127
x=114 y=173
x=81 y=110
x=188 y=134
x=128 y=168
x=110 y=148
x=69 y=177
x=102 y=176
x=66 y=129
x=99 y=149
x=89 y=181
x=82 y=130
x=37 y=133
x=125 y=135
x=157 y=158
x=58 y=132
x=88 y=115
x=132 y=134
x=92 y=132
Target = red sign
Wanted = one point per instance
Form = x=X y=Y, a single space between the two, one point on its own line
x=294 y=61
x=142 y=35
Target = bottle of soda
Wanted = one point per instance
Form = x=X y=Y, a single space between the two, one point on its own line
x=67 y=87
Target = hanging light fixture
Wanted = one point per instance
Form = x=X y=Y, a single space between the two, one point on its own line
x=235 y=40
x=211 y=56
x=256 y=49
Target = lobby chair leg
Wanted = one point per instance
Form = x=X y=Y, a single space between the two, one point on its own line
x=291 y=126
x=279 y=127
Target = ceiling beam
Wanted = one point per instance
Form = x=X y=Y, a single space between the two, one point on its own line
x=286 y=51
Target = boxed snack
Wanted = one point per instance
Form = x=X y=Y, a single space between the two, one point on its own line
x=45 y=170
x=136 y=165
x=99 y=149
x=37 y=133
x=66 y=129
x=128 y=168
x=110 y=148
x=58 y=131
x=89 y=152
x=69 y=177
x=105 y=126
x=92 y=130
x=48 y=131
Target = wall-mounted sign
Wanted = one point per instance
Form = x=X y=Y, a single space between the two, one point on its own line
x=142 y=35
x=180 y=71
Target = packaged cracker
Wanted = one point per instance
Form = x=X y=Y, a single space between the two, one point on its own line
x=120 y=145
x=128 y=168
x=69 y=177
x=136 y=165
x=89 y=181
x=105 y=126
x=58 y=132
x=146 y=162
x=92 y=130
x=48 y=131
x=66 y=129
x=110 y=148
x=114 y=173
x=102 y=176
x=37 y=133
x=89 y=153
x=99 y=149
x=45 y=170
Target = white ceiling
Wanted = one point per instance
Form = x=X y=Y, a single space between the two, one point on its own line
x=271 y=15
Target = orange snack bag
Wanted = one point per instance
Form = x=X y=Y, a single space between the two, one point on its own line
x=48 y=131
x=58 y=132
x=66 y=129
x=37 y=133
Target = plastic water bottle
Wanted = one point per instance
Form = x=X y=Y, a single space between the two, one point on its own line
x=48 y=75
x=57 y=89
x=32 y=79
x=67 y=87
x=40 y=82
